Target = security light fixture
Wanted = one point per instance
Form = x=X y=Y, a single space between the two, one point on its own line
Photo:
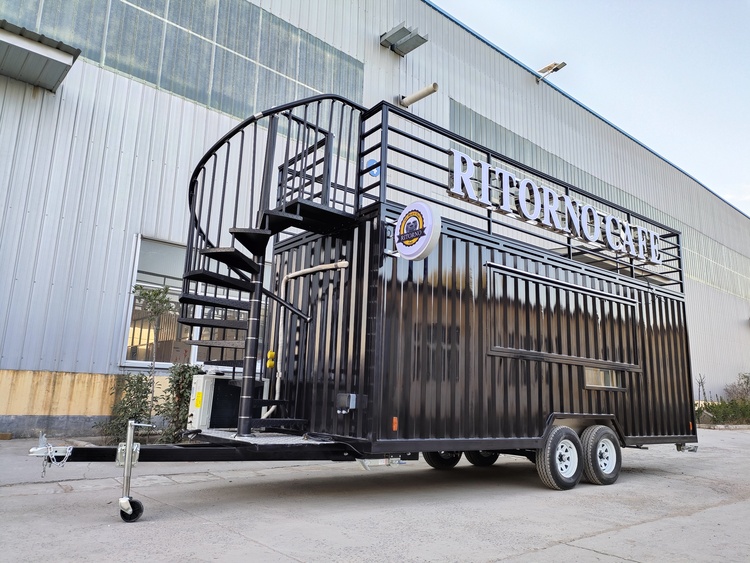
x=402 y=40
x=549 y=69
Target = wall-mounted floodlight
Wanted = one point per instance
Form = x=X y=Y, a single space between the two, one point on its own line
x=402 y=40
x=406 y=101
x=549 y=69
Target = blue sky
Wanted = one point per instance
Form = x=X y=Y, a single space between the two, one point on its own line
x=674 y=74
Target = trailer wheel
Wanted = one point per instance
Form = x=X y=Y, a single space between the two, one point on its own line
x=137 y=507
x=482 y=458
x=601 y=455
x=559 y=460
x=442 y=460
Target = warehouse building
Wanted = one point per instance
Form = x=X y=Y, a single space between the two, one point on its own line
x=106 y=106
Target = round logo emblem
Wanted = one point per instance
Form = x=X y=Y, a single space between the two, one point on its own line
x=417 y=231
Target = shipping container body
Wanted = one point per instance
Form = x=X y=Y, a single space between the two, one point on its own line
x=541 y=305
x=480 y=346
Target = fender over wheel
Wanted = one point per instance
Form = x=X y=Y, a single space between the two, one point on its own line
x=559 y=461
x=602 y=457
x=482 y=458
x=442 y=460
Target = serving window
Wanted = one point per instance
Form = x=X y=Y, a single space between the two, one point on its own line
x=544 y=311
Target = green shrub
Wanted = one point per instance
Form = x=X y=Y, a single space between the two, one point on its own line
x=175 y=402
x=727 y=412
x=132 y=401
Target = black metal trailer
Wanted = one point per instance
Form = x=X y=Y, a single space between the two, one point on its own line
x=426 y=294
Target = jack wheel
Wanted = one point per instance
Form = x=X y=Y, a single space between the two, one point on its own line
x=137 y=507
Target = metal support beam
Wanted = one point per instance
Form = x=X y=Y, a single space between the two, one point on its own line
x=244 y=420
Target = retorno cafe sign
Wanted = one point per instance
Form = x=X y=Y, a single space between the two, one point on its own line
x=557 y=212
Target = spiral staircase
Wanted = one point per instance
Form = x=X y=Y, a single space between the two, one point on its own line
x=284 y=172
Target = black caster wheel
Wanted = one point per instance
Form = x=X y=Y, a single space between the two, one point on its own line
x=137 y=507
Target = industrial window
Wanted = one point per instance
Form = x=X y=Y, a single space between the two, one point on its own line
x=603 y=378
x=159 y=264
x=78 y=23
x=237 y=57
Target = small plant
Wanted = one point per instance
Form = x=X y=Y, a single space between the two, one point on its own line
x=132 y=401
x=154 y=302
x=175 y=402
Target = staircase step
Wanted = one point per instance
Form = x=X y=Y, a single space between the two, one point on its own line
x=213 y=323
x=193 y=299
x=217 y=343
x=219 y=280
x=255 y=240
x=232 y=258
x=325 y=215
x=310 y=216
x=277 y=220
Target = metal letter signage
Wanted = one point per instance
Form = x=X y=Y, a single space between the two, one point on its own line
x=417 y=231
x=498 y=190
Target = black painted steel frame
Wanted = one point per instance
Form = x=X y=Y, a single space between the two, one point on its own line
x=306 y=151
x=381 y=137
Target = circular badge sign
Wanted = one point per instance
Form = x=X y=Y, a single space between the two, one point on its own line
x=417 y=230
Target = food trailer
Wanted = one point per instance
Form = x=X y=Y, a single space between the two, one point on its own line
x=362 y=283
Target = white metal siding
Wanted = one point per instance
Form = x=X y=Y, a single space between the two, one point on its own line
x=82 y=172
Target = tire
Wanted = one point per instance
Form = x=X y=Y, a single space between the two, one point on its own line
x=559 y=462
x=137 y=507
x=602 y=458
x=482 y=458
x=442 y=460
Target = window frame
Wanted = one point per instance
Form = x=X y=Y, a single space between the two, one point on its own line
x=616 y=376
x=126 y=363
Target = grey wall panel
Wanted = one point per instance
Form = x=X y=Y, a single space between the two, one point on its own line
x=104 y=159
x=719 y=325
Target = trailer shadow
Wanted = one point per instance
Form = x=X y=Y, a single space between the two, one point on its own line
x=348 y=483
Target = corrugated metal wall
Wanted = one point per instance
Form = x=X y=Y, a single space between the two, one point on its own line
x=485 y=339
x=82 y=172
x=328 y=356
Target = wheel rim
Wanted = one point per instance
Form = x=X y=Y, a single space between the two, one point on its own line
x=566 y=458
x=606 y=456
x=447 y=455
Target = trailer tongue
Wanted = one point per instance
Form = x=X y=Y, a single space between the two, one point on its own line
x=363 y=284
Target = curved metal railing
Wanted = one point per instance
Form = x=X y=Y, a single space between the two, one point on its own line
x=267 y=160
x=305 y=151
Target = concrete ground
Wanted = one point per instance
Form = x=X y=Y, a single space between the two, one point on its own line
x=666 y=506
